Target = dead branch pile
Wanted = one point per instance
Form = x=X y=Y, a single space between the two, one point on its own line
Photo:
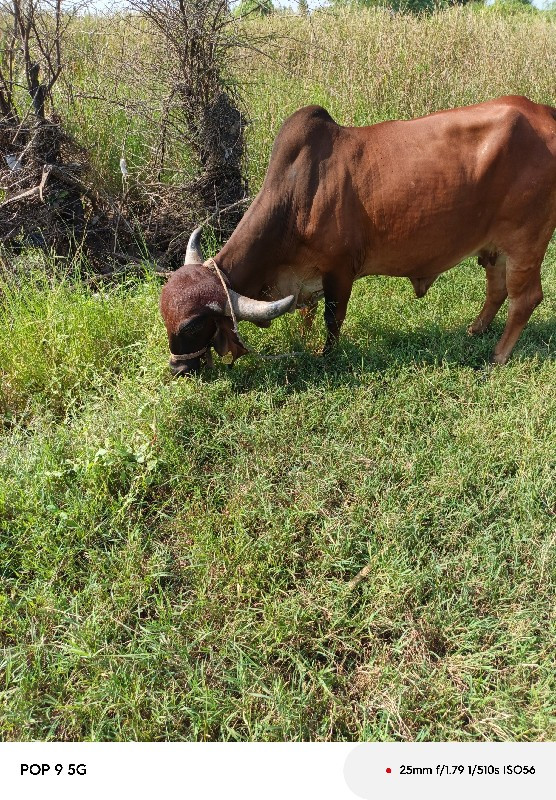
x=167 y=212
x=48 y=197
x=51 y=200
x=179 y=103
x=187 y=93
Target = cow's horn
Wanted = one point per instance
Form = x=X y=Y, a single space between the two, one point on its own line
x=259 y=310
x=193 y=254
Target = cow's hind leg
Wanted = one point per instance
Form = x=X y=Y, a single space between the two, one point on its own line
x=308 y=314
x=496 y=293
x=337 y=291
x=525 y=294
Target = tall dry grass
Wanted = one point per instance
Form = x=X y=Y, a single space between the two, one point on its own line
x=365 y=66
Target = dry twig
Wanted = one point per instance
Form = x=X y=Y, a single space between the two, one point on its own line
x=361 y=575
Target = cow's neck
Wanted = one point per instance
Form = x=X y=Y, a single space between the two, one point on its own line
x=254 y=251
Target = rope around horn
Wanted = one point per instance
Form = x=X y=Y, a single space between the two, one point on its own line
x=211 y=264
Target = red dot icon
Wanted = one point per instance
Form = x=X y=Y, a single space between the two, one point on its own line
x=388 y=770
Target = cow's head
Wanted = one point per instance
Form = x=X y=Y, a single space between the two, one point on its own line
x=197 y=314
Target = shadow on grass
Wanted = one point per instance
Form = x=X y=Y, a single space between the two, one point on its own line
x=387 y=348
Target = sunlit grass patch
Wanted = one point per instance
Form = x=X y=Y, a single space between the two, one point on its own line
x=175 y=555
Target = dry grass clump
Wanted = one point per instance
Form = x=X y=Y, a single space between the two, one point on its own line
x=366 y=66
x=121 y=97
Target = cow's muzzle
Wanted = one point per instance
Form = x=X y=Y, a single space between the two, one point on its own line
x=185 y=368
x=188 y=363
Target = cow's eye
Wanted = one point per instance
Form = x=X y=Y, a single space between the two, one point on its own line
x=192 y=325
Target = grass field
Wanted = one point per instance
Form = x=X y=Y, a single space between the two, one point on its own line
x=175 y=555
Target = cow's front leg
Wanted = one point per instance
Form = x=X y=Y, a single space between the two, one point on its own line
x=337 y=291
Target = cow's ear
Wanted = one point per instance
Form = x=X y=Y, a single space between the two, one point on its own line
x=226 y=342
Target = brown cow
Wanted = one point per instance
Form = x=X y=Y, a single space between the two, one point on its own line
x=405 y=198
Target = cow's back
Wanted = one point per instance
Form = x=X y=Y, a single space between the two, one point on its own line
x=420 y=195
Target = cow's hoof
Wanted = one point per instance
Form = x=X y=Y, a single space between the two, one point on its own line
x=475 y=329
x=329 y=347
x=498 y=360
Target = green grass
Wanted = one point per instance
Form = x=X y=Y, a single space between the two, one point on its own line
x=175 y=554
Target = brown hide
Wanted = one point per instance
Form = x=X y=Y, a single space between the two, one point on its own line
x=403 y=198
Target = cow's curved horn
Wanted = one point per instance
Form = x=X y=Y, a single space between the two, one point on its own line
x=193 y=254
x=259 y=310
